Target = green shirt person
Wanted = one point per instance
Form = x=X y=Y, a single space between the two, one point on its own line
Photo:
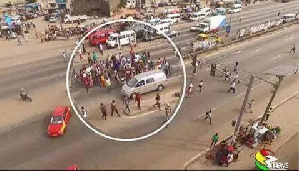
x=95 y=57
x=214 y=139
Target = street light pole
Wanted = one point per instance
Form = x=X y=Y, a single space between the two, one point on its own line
x=249 y=87
x=276 y=86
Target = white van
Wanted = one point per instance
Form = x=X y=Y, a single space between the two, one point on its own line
x=167 y=21
x=197 y=16
x=145 y=82
x=154 y=21
x=174 y=17
x=235 y=9
x=288 y=18
x=163 y=27
x=125 y=38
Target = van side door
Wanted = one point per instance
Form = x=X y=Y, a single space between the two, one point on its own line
x=140 y=87
x=150 y=84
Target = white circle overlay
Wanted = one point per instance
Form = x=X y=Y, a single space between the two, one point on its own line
x=94 y=129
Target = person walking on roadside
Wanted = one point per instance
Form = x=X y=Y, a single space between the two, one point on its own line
x=126 y=103
x=138 y=99
x=200 y=85
x=278 y=14
x=293 y=49
x=108 y=84
x=168 y=112
x=214 y=139
x=194 y=72
x=241 y=18
x=83 y=112
x=65 y=56
x=20 y=42
x=101 y=49
x=235 y=68
x=208 y=116
x=227 y=76
x=103 y=111
x=83 y=49
x=80 y=53
x=236 y=78
x=113 y=107
x=190 y=90
x=157 y=101
x=269 y=112
x=232 y=87
x=224 y=72
x=250 y=106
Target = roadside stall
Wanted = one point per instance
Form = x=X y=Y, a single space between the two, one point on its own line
x=259 y=134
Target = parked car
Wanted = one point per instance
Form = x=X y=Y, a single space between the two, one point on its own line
x=53 y=19
x=59 y=121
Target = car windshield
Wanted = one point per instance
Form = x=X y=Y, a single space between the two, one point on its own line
x=111 y=38
x=56 y=120
x=202 y=26
x=132 y=82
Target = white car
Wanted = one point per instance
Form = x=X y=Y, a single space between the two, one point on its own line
x=206 y=11
x=173 y=33
x=195 y=28
x=235 y=9
x=168 y=10
x=52 y=19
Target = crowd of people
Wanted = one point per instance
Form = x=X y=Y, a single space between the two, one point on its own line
x=121 y=68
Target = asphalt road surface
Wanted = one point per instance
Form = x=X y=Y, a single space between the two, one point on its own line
x=28 y=147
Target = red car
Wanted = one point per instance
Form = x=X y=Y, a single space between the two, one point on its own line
x=73 y=167
x=59 y=121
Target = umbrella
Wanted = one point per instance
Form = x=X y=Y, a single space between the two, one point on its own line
x=230 y=148
x=130 y=18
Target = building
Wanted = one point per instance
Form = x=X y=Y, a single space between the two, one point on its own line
x=95 y=7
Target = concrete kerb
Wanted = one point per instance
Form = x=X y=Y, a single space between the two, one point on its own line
x=196 y=158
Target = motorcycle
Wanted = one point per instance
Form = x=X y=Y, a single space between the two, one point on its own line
x=25 y=98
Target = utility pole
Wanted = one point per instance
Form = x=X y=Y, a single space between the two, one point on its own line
x=237 y=127
x=276 y=86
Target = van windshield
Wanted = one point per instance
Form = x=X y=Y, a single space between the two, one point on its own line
x=112 y=38
x=132 y=82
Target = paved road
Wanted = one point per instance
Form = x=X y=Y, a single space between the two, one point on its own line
x=28 y=147
x=51 y=71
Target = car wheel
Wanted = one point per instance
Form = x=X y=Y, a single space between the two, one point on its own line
x=160 y=88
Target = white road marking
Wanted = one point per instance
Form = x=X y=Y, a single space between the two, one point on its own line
x=290 y=38
x=257 y=50
x=237 y=52
x=275 y=58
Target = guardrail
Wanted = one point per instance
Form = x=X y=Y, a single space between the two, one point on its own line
x=243 y=38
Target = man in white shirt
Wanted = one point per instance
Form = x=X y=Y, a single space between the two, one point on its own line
x=232 y=87
x=101 y=48
x=83 y=112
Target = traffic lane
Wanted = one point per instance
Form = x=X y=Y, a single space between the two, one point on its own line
x=258 y=17
x=180 y=117
x=271 y=10
x=251 y=53
x=33 y=141
x=246 y=11
x=97 y=152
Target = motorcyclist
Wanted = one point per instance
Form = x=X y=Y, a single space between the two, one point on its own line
x=23 y=94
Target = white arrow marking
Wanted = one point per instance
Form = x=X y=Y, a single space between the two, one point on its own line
x=256 y=51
